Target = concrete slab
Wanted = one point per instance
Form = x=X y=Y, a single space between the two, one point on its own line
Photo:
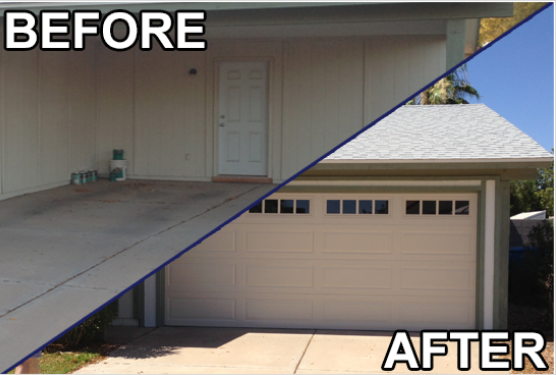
x=123 y=334
x=208 y=350
x=188 y=350
x=67 y=251
x=364 y=352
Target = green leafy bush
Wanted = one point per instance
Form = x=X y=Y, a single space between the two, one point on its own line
x=91 y=330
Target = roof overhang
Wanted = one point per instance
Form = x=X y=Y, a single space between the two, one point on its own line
x=507 y=169
x=270 y=13
x=509 y=162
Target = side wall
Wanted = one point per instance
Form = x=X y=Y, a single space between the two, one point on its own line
x=47 y=118
x=66 y=111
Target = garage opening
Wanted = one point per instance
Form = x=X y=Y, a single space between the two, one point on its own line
x=336 y=261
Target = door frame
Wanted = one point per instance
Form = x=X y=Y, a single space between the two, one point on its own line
x=216 y=103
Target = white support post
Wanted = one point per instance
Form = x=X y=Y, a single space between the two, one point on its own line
x=490 y=216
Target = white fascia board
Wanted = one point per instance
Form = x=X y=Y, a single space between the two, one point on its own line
x=386 y=183
x=406 y=161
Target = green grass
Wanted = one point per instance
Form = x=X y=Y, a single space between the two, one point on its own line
x=66 y=362
x=54 y=361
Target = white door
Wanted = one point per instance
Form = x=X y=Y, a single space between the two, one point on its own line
x=243 y=118
x=382 y=262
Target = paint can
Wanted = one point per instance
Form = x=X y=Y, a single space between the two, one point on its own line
x=75 y=179
x=118 y=155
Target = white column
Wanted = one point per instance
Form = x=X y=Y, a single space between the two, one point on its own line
x=490 y=216
x=150 y=302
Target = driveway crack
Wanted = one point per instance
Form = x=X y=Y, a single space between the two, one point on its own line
x=304 y=351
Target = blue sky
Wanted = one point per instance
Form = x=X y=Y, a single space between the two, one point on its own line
x=515 y=77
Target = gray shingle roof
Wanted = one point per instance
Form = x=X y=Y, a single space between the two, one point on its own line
x=441 y=132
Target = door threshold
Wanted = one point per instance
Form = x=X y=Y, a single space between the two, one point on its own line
x=242 y=179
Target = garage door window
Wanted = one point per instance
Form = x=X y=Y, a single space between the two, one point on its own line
x=282 y=206
x=429 y=207
x=354 y=207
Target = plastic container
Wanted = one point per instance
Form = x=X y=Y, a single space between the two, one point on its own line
x=119 y=167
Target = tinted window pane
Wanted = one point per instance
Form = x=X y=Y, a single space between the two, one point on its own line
x=462 y=207
x=349 y=207
x=381 y=207
x=271 y=206
x=257 y=209
x=429 y=207
x=412 y=207
x=333 y=207
x=302 y=206
x=286 y=206
x=445 y=207
x=365 y=207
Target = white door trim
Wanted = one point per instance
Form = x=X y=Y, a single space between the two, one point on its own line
x=216 y=103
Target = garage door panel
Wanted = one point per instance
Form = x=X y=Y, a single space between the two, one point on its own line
x=331 y=271
x=222 y=241
x=273 y=310
x=279 y=276
x=358 y=242
x=199 y=275
x=279 y=241
x=437 y=278
x=423 y=242
x=433 y=312
x=357 y=277
x=362 y=313
x=200 y=309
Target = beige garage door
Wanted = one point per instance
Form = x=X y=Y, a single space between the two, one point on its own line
x=383 y=262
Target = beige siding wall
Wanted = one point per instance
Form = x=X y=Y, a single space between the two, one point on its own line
x=398 y=67
x=47 y=118
x=334 y=88
x=65 y=111
x=114 y=105
x=170 y=114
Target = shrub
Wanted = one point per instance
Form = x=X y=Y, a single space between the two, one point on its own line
x=91 y=330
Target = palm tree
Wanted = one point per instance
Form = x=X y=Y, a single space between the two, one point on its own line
x=452 y=89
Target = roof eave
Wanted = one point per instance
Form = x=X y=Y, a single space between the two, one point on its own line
x=515 y=162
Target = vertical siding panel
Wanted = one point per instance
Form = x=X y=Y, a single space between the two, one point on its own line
x=114 y=106
x=350 y=95
x=323 y=87
x=372 y=80
x=170 y=114
x=296 y=141
x=401 y=75
x=151 y=112
x=21 y=120
x=53 y=120
x=416 y=67
x=189 y=114
x=82 y=102
x=330 y=54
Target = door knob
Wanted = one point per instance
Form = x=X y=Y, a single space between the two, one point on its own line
x=222 y=124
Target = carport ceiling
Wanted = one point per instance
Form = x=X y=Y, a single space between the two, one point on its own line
x=68 y=251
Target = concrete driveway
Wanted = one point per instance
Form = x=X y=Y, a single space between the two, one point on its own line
x=188 y=350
